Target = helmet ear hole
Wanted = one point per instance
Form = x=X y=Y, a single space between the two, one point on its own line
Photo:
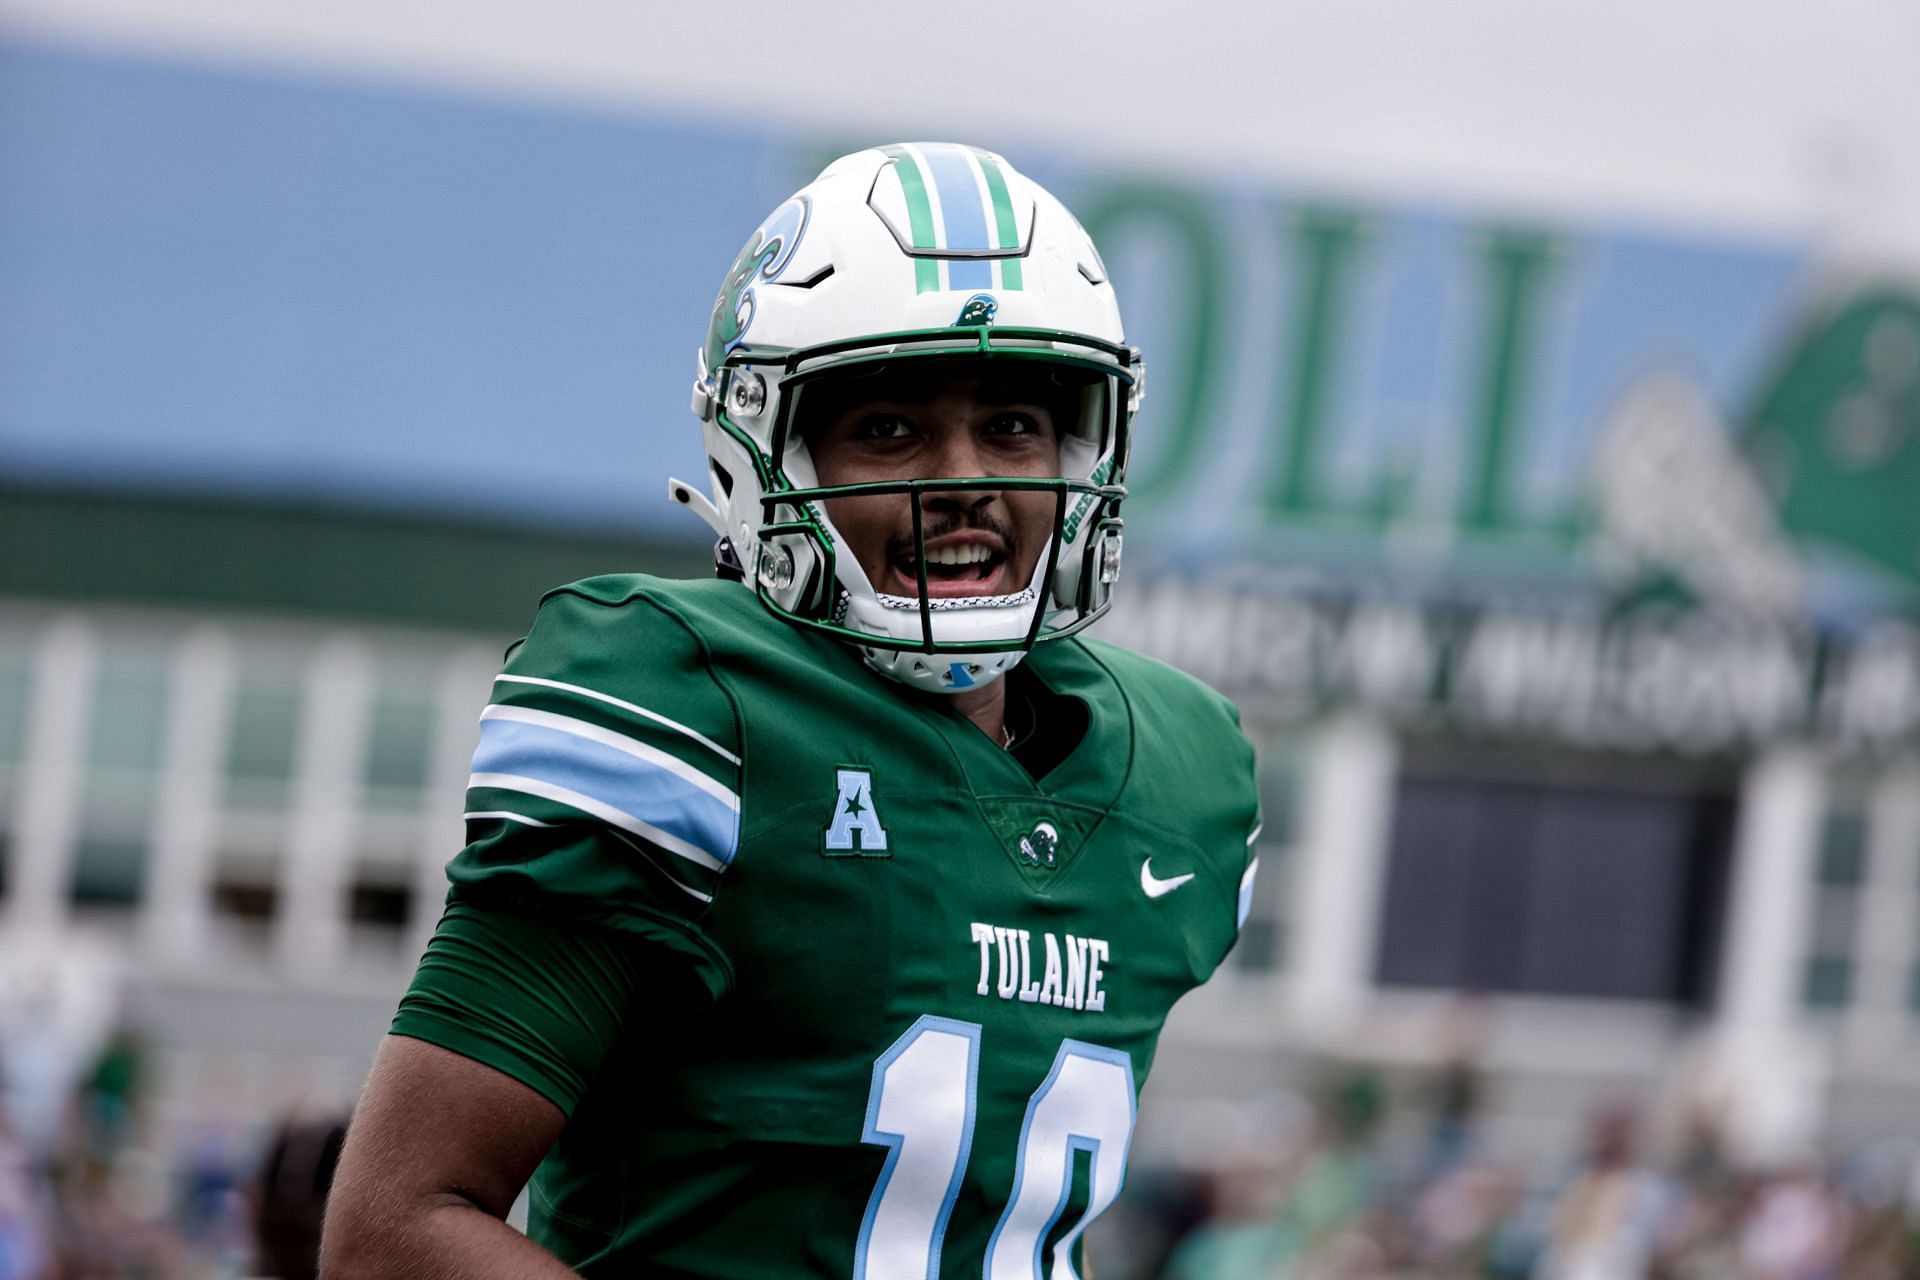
x=721 y=477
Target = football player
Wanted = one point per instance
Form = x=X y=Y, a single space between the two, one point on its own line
x=821 y=919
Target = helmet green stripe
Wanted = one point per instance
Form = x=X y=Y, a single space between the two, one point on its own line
x=919 y=218
x=1006 y=227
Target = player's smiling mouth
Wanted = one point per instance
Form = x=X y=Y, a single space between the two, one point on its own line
x=970 y=563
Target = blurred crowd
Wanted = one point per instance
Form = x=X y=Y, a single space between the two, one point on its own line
x=1341 y=1195
x=1343 y=1201
x=90 y=1199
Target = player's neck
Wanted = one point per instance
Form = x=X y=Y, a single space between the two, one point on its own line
x=987 y=708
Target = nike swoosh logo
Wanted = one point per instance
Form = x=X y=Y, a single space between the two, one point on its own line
x=1153 y=886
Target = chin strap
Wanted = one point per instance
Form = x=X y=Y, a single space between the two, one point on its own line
x=726 y=564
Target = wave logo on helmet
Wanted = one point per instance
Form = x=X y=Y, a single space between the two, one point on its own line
x=978 y=310
x=766 y=255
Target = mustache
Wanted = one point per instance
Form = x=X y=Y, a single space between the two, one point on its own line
x=938 y=524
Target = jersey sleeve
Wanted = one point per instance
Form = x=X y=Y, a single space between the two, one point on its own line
x=532 y=998
x=1254 y=822
x=1234 y=828
x=605 y=786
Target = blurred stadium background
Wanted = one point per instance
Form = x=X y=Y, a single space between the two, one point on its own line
x=1533 y=450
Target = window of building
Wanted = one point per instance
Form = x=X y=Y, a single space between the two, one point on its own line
x=400 y=742
x=1263 y=938
x=14 y=687
x=1535 y=875
x=14 y=690
x=266 y=709
x=379 y=904
x=125 y=738
x=261 y=741
x=245 y=901
x=1913 y=970
x=1840 y=876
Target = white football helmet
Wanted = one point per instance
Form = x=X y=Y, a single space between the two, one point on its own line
x=922 y=251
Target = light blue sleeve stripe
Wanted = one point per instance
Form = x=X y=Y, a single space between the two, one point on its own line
x=1246 y=893
x=613 y=777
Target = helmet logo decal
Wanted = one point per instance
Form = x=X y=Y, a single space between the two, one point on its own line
x=979 y=310
x=766 y=255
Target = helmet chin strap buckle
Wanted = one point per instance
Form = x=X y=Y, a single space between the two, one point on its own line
x=726 y=564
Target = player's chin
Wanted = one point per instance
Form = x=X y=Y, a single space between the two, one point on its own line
x=993 y=576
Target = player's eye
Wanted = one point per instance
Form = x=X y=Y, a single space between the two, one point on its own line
x=883 y=426
x=1015 y=423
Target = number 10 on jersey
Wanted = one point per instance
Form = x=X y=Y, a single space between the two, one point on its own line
x=921 y=1108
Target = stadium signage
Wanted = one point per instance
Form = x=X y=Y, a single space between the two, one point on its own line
x=1484 y=403
x=1674 y=679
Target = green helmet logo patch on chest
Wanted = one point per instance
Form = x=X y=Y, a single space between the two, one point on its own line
x=1041 y=837
x=1038 y=845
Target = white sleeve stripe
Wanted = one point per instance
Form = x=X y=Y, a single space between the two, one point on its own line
x=622 y=782
x=1246 y=894
x=612 y=701
x=1255 y=834
x=605 y=812
x=505 y=814
x=510 y=816
x=619 y=742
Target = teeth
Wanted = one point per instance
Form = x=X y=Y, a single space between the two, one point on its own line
x=966 y=553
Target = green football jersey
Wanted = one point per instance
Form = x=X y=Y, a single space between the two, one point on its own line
x=930 y=985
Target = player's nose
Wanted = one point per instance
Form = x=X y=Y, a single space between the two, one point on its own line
x=957 y=455
x=956 y=450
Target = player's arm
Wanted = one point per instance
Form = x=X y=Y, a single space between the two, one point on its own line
x=510 y=1018
x=601 y=812
x=439 y=1147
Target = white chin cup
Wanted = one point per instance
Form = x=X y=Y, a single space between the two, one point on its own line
x=941 y=672
x=954 y=620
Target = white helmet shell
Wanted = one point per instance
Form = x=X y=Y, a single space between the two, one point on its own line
x=921 y=250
